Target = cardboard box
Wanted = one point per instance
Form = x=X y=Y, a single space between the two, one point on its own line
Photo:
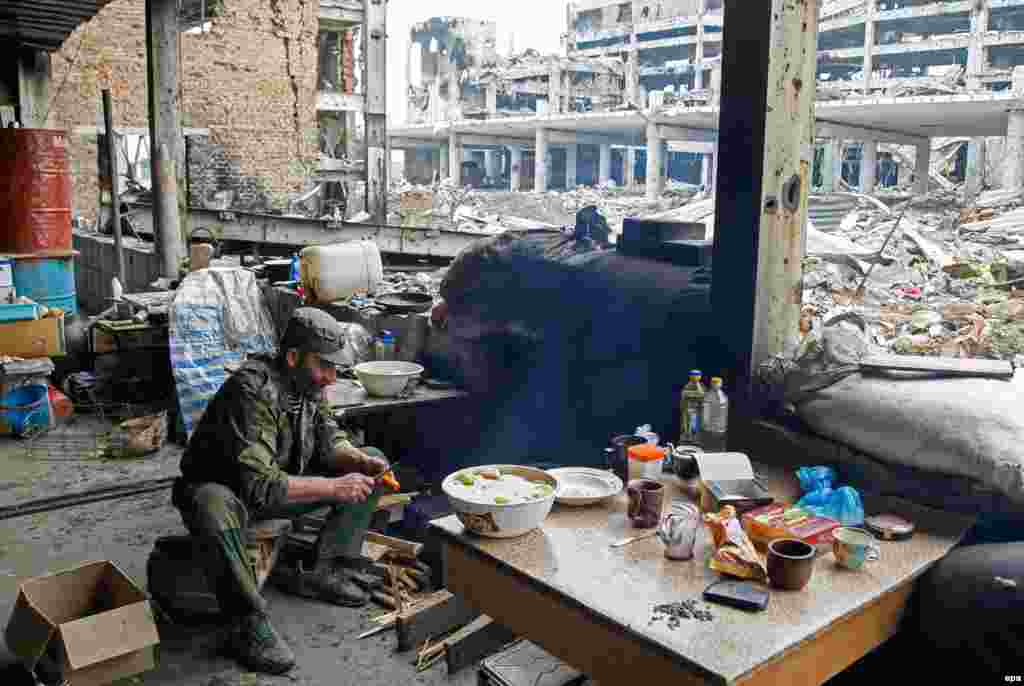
x=38 y=338
x=90 y=623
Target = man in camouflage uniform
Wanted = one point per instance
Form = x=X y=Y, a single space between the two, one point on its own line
x=264 y=431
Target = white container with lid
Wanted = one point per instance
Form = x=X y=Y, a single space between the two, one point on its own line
x=646 y=461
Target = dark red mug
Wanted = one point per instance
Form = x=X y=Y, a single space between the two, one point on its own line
x=646 y=498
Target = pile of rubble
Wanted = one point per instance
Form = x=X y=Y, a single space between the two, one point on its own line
x=931 y=275
x=449 y=207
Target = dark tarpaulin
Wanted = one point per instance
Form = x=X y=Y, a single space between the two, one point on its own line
x=567 y=344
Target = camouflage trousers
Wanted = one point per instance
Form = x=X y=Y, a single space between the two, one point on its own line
x=218 y=519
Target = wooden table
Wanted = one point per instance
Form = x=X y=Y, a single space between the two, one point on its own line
x=348 y=399
x=565 y=588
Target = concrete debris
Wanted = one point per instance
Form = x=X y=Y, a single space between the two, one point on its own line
x=455 y=208
x=945 y=284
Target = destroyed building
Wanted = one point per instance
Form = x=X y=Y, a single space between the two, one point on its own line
x=874 y=59
x=271 y=99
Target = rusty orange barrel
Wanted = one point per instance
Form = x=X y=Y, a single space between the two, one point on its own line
x=35 y=191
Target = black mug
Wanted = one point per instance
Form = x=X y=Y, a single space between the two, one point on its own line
x=618 y=454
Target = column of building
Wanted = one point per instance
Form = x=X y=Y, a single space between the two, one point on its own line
x=832 y=165
x=515 y=167
x=492 y=163
x=1013 y=152
x=698 y=62
x=541 y=161
x=444 y=163
x=604 y=164
x=870 y=26
x=454 y=159
x=922 y=166
x=977 y=65
x=571 y=153
x=629 y=173
x=868 y=166
x=655 y=162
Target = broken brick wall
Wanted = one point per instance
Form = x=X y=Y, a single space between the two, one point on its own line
x=250 y=79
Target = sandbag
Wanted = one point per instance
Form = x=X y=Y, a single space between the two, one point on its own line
x=963 y=427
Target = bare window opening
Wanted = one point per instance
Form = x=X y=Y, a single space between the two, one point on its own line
x=589 y=21
x=625 y=13
x=194 y=15
x=1006 y=19
x=851 y=37
x=330 y=47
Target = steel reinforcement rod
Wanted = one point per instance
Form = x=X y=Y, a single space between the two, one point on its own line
x=95 y=495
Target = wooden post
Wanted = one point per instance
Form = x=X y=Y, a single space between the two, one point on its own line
x=765 y=143
x=115 y=205
x=167 y=148
x=375 y=56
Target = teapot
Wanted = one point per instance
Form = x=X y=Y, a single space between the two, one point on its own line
x=678 y=531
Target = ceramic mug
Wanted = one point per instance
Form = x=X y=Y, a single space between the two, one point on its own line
x=853 y=547
x=678 y=531
x=646 y=498
x=790 y=563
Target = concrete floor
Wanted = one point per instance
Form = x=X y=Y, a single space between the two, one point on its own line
x=123 y=531
x=322 y=636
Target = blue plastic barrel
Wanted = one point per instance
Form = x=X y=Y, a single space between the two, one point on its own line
x=48 y=280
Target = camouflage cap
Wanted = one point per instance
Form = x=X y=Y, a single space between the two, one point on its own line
x=314 y=331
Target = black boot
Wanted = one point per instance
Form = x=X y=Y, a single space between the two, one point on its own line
x=326 y=581
x=258 y=647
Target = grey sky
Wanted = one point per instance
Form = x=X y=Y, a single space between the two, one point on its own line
x=535 y=24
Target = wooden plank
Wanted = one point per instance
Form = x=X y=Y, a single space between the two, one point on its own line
x=475 y=641
x=950 y=366
x=437 y=615
x=407 y=548
x=820 y=658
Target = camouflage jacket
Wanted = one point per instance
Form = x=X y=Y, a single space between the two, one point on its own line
x=256 y=433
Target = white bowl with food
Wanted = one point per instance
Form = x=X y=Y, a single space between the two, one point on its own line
x=386 y=379
x=501 y=501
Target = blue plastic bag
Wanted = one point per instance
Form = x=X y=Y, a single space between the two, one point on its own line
x=842 y=504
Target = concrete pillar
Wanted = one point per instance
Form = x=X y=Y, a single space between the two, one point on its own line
x=570 y=166
x=167 y=145
x=698 y=74
x=444 y=163
x=515 y=168
x=977 y=160
x=655 y=163
x=1013 y=152
x=706 y=170
x=555 y=90
x=977 y=59
x=492 y=163
x=869 y=167
x=541 y=162
x=633 y=77
x=604 y=164
x=923 y=164
x=629 y=174
x=870 y=26
x=454 y=159
x=33 y=87
x=492 y=98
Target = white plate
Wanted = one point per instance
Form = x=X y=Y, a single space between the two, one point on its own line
x=601 y=484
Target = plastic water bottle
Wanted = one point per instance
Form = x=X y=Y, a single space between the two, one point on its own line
x=716 y=418
x=646 y=432
x=691 y=409
x=385 y=350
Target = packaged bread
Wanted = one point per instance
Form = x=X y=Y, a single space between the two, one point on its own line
x=778 y=520
x=734 y=554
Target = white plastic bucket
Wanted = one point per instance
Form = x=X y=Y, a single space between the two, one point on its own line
x=338 y=271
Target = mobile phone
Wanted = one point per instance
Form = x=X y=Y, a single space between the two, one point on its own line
x=740 y=594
